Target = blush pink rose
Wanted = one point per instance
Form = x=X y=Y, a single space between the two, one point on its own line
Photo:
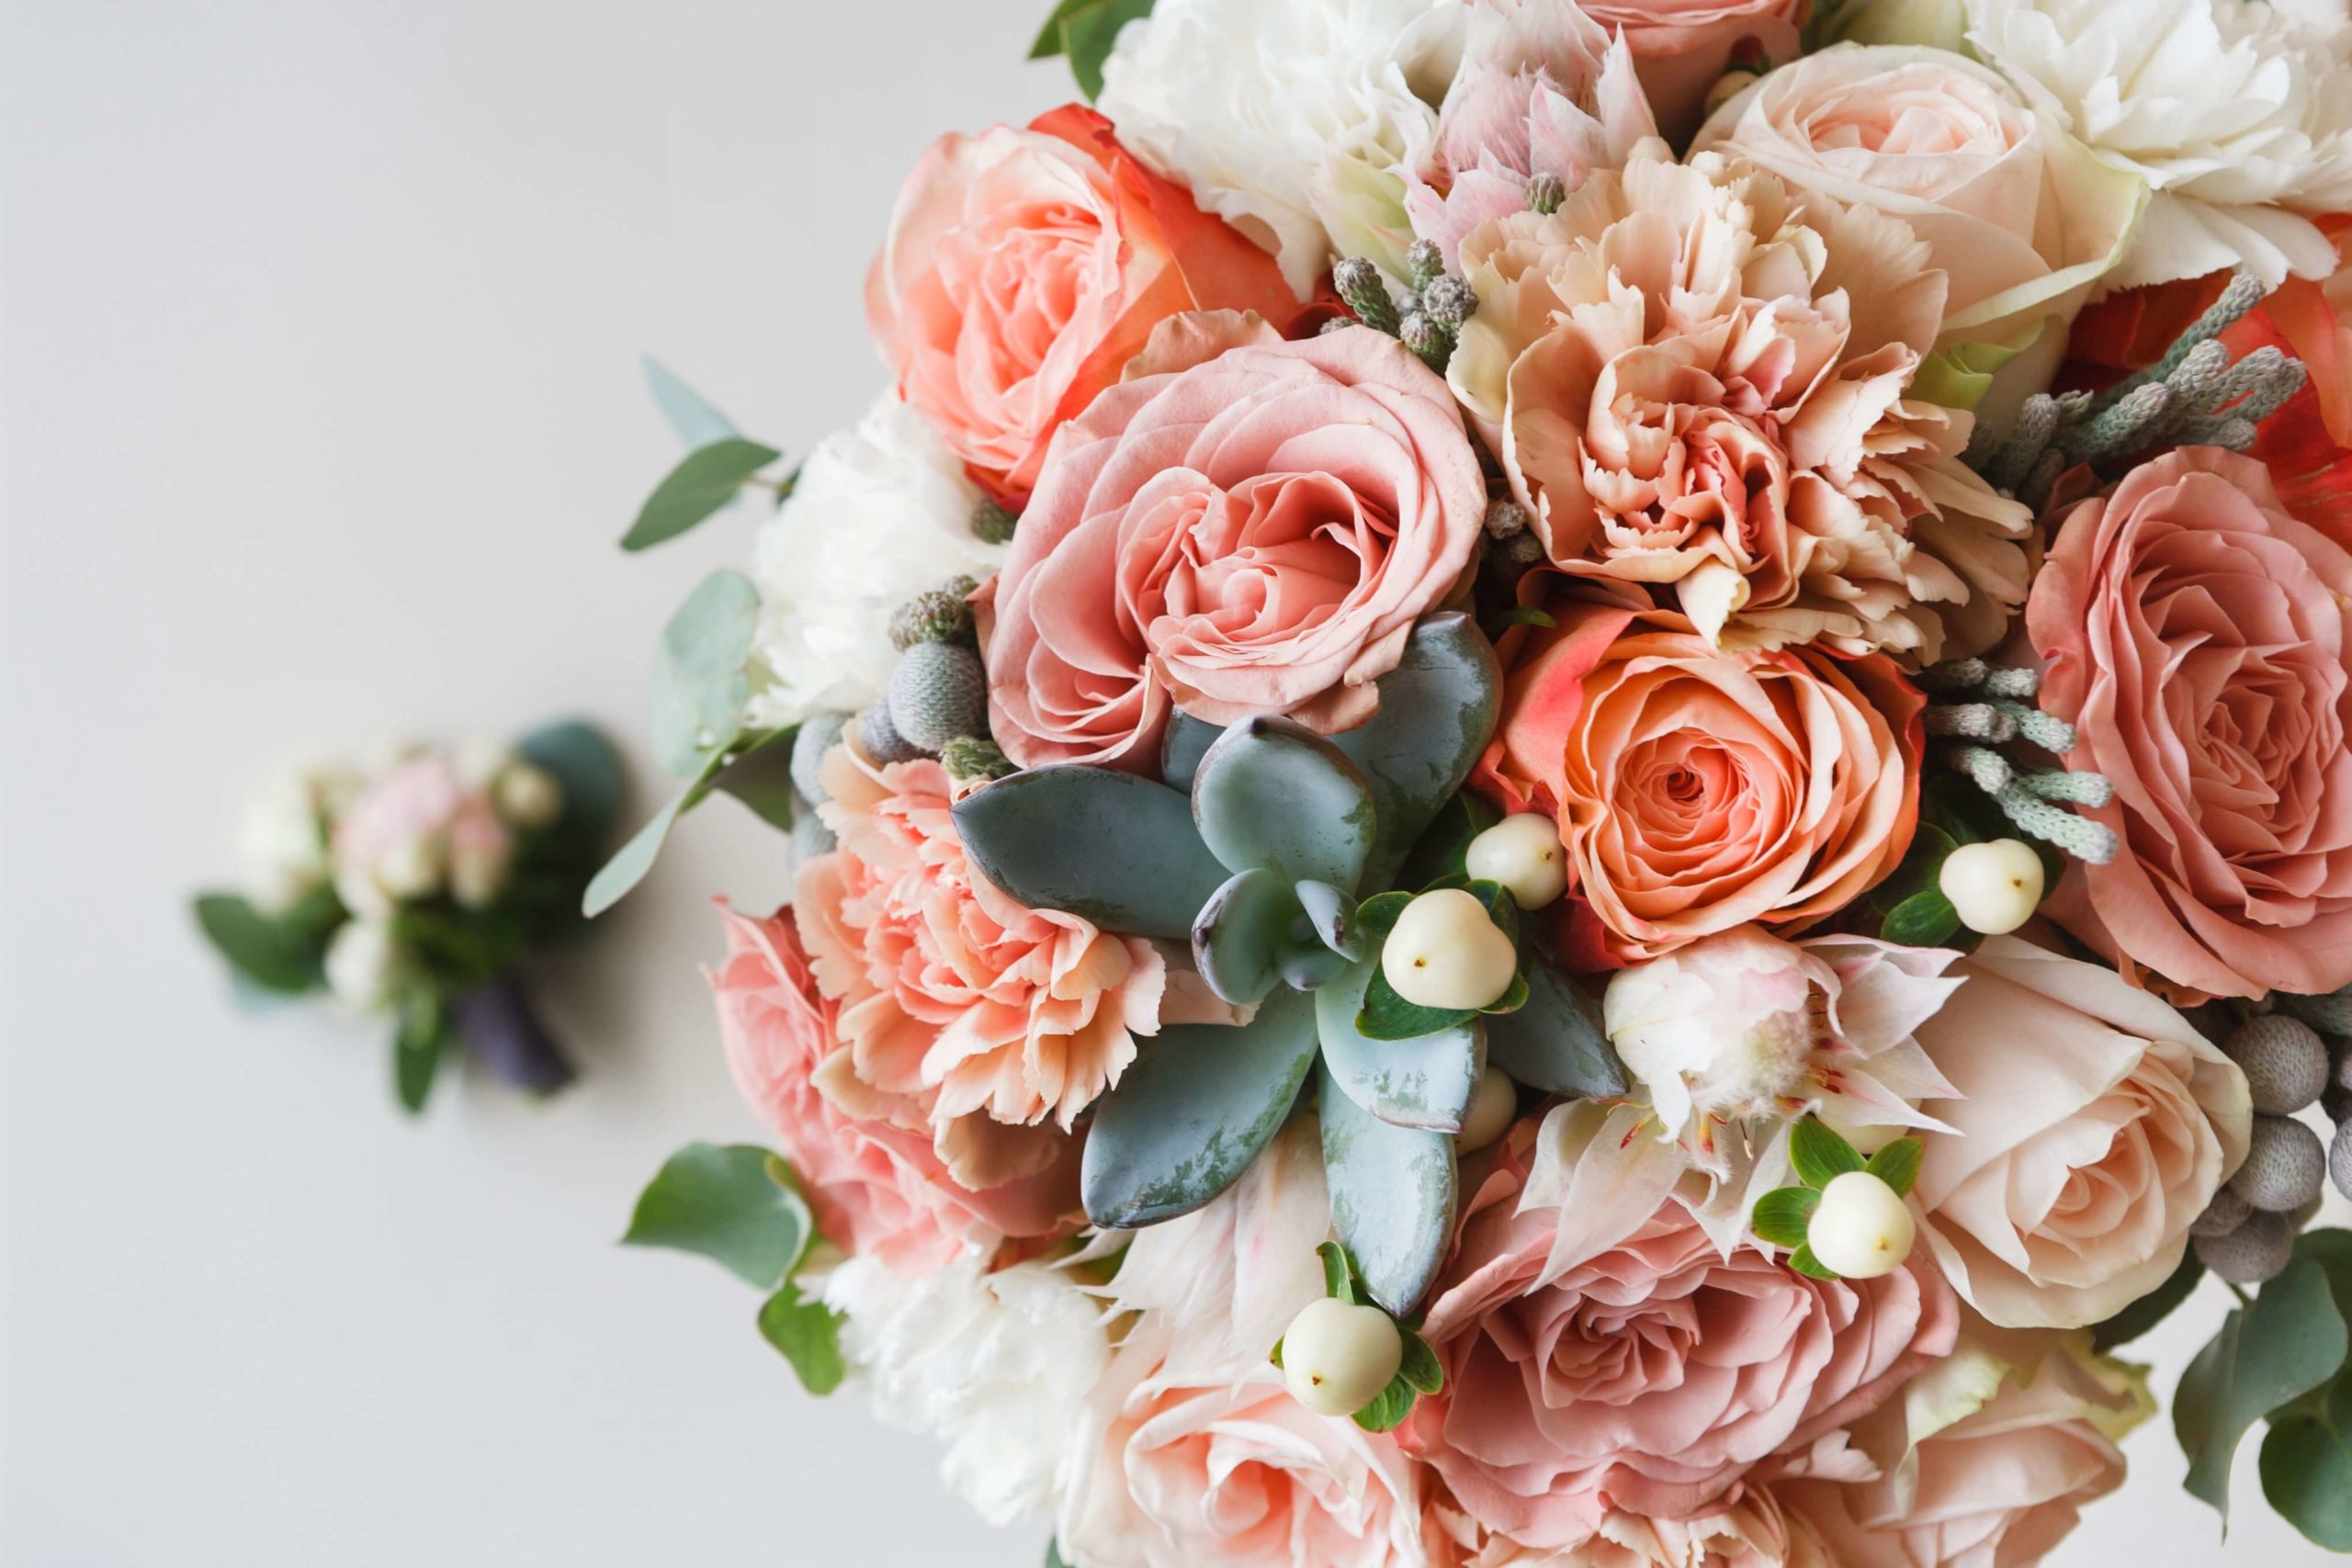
x=1682 y=47
x=1698 y=790
x=1650 y=1377
x=1023 y=268
x=1255 y=533
x=874 y=1187
x=422 y=806
x=2195 y=635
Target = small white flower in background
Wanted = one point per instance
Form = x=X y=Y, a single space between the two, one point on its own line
x=879 y=514
x=281 y=835
x=1291 y=119
x=2238 y=114
x=362 y=959
x=997 y=1365
x=528 y=795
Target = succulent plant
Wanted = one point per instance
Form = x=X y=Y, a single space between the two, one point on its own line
x=1266 y=848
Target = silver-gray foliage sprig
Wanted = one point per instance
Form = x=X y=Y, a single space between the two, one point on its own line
x=1980 y=709
x=1429 y=321
x=2194 y=395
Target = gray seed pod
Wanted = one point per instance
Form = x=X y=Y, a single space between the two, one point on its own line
x=936 y=615
x=2225 y=1213
x=937 y=692
x=2284 y=1165
x=819 y=732
x=1505 y=517
x=811 y=838
x=2339 y=1159
x=2252 y=1253
x=993 y=524
x=2284 y=1059
x=881 y=740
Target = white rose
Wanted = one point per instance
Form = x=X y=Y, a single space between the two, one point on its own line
x=281 y=836
x=881 y=512
x=997 y=1365
x=1291 y=119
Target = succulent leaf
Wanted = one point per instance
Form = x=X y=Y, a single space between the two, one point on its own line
x=1332 y=913
x=1556 y=1042
x=1115 y=849
x=1199 y=1102
x=1180 y=750
x=1306 y=965
x=1273 y=792
x=1238 y=935
x=1393 y=1194
x=1425 y=1082
x=1438 y=710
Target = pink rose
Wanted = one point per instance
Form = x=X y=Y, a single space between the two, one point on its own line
x=874 y=1188
x=1023 y=268
x=2195 y=635
x=1681 y=47
x=414 y=829
x=2091 y=1124
x=1652 y=1375
x=1256 y=534
x=1698 y=790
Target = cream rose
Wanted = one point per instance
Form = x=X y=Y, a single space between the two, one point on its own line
x=2093 y=1124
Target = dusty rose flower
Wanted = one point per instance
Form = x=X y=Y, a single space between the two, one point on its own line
x=2092 y=1124
x=1024 y=267
x=875 y=1186
x=962 y=1014
x=1649 y=1377
x=1698 y=790
x=1698 y=379
x=1682 y=47
x=1542 y=89
x=2196 y=637
x=1256 y=534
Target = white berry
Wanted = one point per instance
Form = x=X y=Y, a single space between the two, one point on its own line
x=1445 y=951
x=1863 y=1229
x=1337 y=1358
x=1493 y=1105
x=1995 y=887
x=1524 y=854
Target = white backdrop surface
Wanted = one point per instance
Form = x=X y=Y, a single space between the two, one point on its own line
x=318 y=415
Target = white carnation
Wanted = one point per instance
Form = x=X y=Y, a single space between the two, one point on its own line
x=997 y=1365
x=2238 y=114
x=881 y=512
x=1291 y=119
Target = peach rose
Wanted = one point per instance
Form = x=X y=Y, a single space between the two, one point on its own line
x=2196 y=637
x=2092 y=1124
x=1681 y=47
x=1698 y=790
x=874 y=1187
x=1700 y=379
x=1651 y=1376
x=962 y=1014
x=1023 y=268
x=1255 y=533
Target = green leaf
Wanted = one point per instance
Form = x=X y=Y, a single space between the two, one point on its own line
x=1387 y=1016
x=1115 y=849
x=1782 y=1215
x=1048 y=42
x=2151 y=1309
x=1054 y=1555
x=1272 y=793
x=1806 y=1263
x=1953 y=803
x=720 y=1201
x=1420 y=1369
x=2307 y=1467
x=1388 y=1408
x=1192 y=1110
x=2288 y=1343
x=761 y=777
x=1924 y=920
x=809 y=1333
x=1424 y=1080
x=1438 y=710
x=1238 y=936
x=283 y=953
x=1088 y=33
x=1556 y=1042
x=1439 y=856
x=707 y=479
x=1819 y=1155
x=1527 y=615
x=697 y=423
x=1338 y=1273
x=1920 y=871
x=699 y=680
x=418 y=1047
x=1393 y=1194
x=1897 y=1164
x=634 y=859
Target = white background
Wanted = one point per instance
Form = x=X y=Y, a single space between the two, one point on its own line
x=319 y=415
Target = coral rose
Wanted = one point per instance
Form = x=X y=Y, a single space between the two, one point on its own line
x=1700 y=379
x=875 y=1186
x=2196 y=637
x=2093 y=1124
x=1651 y=1376
x=1682 y=47
x=1023 y=268
x=1698 y=790
x=1255 y=533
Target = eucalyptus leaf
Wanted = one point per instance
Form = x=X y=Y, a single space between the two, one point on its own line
x=2289 y=1342
x=760 y=775
x=706 y=480
x=1238 y=937
x=697 y=423
x=699 y=680
x=1556 y=1042
x=2307 y=1466
x=634 y=859
x=719 y=1200
x=1085 y=31
x=281 y=953
x=1194 y=1108
x=1422 y=1081
x=1111 y=848
x=1271 y=793
x=1438 y=710
x=809 y=1333
x=1393 y=1194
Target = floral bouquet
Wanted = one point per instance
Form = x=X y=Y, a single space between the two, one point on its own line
x=415 y=889
x=1569 y=786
